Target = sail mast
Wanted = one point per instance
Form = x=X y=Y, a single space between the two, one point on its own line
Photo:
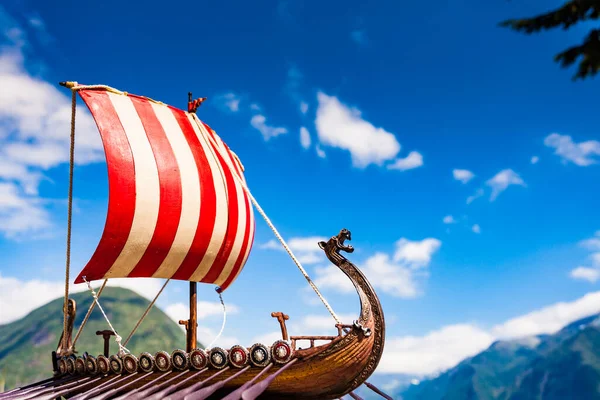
x=193 y=321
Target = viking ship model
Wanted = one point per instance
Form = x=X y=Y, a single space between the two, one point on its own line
x=179 y=208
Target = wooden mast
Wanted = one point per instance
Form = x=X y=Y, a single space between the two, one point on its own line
x=193 y=321
x=191 y=324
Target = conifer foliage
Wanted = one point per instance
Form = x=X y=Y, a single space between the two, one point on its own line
x=572 y=12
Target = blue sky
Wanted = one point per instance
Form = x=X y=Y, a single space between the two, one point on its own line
x=406 y=112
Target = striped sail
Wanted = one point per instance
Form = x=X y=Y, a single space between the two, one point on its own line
x=175 y=208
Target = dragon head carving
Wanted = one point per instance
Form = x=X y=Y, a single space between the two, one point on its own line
x=336 y=243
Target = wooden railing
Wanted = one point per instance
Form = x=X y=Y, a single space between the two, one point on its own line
x=340 y=327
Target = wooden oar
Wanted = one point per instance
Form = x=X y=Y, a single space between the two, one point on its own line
x=45 y=390
x=31 y=385
x=120 y=388
x=134 y=392
x=237 y=394
x=150 y=389
x=206 y=392
x=98 y=389
x=37 y=386
x=161 y=394
x=184 y=392
x=256 y=390
x=379 y=392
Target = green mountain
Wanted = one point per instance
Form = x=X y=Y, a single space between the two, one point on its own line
x=26 y=345
x=562 y=366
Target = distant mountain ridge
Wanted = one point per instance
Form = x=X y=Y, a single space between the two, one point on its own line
x=26 y=345
x=562 y=366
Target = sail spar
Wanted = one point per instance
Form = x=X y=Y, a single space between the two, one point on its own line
x=175 y=209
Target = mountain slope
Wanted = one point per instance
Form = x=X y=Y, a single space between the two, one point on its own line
x=565 y=365
x=568 y=371
x=26 y=345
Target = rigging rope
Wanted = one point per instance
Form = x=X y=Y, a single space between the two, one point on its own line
x=69 y=217
x=268 y=221
x=146 y=312
x=122 y=348
x=222 y=325
x=87 y=316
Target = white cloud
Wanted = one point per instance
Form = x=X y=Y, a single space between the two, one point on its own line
x=392 y=385
x=206 y=309
x=13 y=172
x=303 y=107
x=39 y=26
x=392 y=278
x=268 y=338
x=416 y=253
x=413 y=160
x=229 y=101
x=271 y=244
x=463 y=175
x=586 y=273
x=478 y=194
x=589 y=273
x=582 y=154
x=476 y=228
x=304 y=137
x=592 y=243
x=502 y=180
x=259 y=122
x=207 y=335
x=435 y=352
x=31 y=294
x=323 y=324
x=21 y=215
x=535 y=159
x=145 y=287
x=306 y=249
x=343 y=127
x=398 y=276
x=320 y=152
x=449 y=219
x=445 y=347
x=34 y=293
x=35 y=119
x=549 y=319
x=332 y=277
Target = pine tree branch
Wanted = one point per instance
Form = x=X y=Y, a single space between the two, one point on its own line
x=589 y=50
x=569 y=14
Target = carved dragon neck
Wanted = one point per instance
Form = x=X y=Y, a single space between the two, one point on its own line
x=370 y=307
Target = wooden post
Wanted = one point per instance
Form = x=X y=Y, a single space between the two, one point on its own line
x=106 y=336
x=281 y=317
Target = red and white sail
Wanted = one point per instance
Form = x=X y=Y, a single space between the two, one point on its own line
x=175 y=208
